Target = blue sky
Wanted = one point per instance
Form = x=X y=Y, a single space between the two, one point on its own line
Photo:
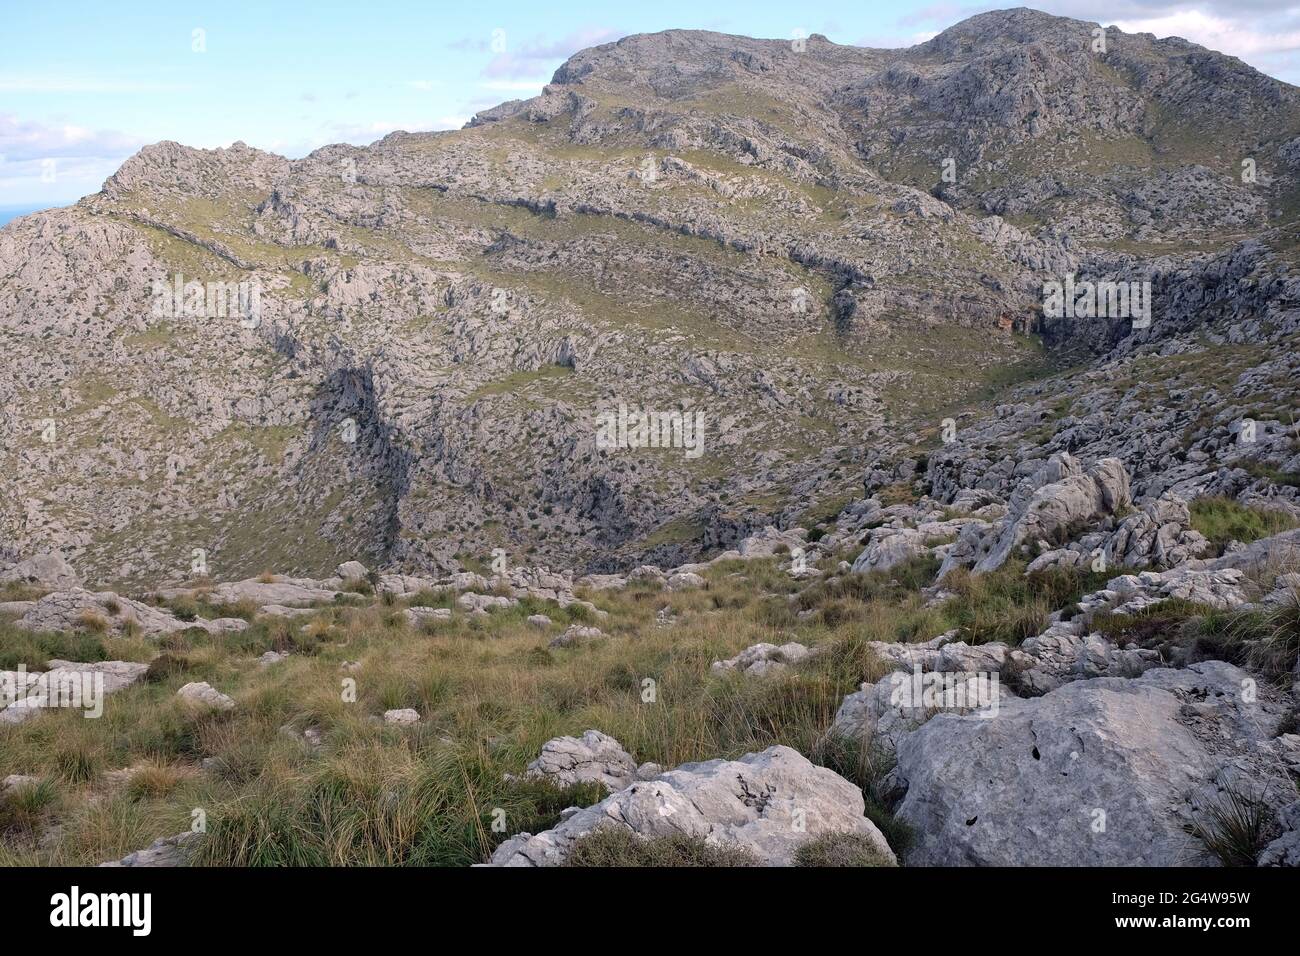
x=83 y=85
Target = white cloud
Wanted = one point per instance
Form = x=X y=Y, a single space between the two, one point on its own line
x=531 y=58
x=1218 y=33
x=27 y=140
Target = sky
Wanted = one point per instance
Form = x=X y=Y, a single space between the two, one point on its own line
x=83 y=85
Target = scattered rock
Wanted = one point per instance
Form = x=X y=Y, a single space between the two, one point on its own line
x=768 y=803
x=576 y=634
x=593 y=757
x=484 y=602
x=168 y=851
x=685 y=581
x=352 y=570
x=422 y=616
x=203 y=696
x=760 y=659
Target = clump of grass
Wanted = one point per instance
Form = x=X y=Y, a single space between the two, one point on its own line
x=908 y=577
x=378 y=805
x=153 y=781
x=25 y=809
x=899 y=493
x=166 y=665
x=21 y=591
x=428 y=598
x=33 y=649
x=617 y=846
x=1234 y=829
x=1166 y=622
x=78 y=761
x=92 y=621
x=866 y=766
x=1276 y=635
x=1008 y=605
x=184 y=607
x=1223 y=520
x=245 y=608
x=840 y=849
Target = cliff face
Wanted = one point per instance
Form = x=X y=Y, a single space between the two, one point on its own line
x=826 y=251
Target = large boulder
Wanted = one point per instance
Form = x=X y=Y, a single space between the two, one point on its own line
x=352 y=570
x=1059 y=500
x=760 y=659
x=43 y=570
x=576 y=634
x=482 y=603
x=203 y=697
x=1103 y=772
x=766 y=543
x=1057 y=510
x=768 y=803
x=889 y=547
x=593 y=757
x=1063 y=653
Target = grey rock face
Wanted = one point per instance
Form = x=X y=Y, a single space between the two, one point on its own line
x=1061 y=654
x=889 y=548
x=44 y=570
x=1285 y=850
x=593 y=757
x=1036 y=785
x=424 y=616
x=78 y=609
x=1059 y=499
x=685 y=581
x=168 y=851
x=483 y=602
x=1129 y=593
x=768 y=803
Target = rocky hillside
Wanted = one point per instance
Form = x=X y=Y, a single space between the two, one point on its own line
x=825 y=250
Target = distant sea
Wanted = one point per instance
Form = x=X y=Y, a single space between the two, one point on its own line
x=13 y=212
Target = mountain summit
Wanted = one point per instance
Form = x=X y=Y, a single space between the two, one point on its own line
x=821 y=254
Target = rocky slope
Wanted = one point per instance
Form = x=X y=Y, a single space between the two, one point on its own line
x=685 y=220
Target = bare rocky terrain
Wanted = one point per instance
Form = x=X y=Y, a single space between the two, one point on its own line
x=908 y=465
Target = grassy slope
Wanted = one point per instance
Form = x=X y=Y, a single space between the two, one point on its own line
x=490 y=693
